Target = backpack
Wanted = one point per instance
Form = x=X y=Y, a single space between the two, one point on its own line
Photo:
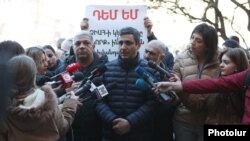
x=246 y=82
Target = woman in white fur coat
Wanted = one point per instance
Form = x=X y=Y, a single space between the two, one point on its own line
x=33 y=113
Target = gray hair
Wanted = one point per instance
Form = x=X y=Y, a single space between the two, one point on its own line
x=158 y=43
x=83 y=33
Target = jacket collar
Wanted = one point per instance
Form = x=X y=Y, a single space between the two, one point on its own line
x=129 y=63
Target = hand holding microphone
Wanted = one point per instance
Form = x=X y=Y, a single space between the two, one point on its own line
x=66 y=81
x=159 y=69
x=86 y=85
x=70 y=69
x=94 y=89
x=148 y=81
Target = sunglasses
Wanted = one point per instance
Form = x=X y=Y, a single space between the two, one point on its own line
x=128 y=43
x=78 y=43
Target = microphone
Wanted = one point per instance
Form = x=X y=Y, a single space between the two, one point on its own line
x=41 y=80
x=148 y=82
x=88 y=83
x=158 y=68
x=84 y=89
x=97 y=71
x=96 y=87
x=70 y=69
x=88 y=86
x=143 y=85
x=49 y=74
x=78 y=76
x=100 y=91
x=67 y=80
x=147 y=76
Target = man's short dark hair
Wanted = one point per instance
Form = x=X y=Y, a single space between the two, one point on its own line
x=133 y=31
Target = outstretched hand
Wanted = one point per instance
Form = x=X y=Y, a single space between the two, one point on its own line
x=168 y=86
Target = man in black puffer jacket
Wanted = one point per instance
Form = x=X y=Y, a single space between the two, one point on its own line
x=87 y=125
x=127 y=112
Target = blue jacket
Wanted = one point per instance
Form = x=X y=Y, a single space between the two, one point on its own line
x=127 y=101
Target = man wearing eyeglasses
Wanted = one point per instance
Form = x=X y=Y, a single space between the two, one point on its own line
x=86 y=125
x=127 y=112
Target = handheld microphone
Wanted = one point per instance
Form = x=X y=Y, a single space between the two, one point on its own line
x=88 y=83
x=147 y=76
x=67 y=80
x=70 y=69
x=96 y=87
x=148 y=82
x=49 y=74
x=84 y=88
x=142 y=84
x=99 y=91
x=41 y=80
x=97 y=71
x=158 y=68
x=87 y=86
x=78 y=76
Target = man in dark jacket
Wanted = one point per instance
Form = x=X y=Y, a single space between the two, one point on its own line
x=127 y=112
x=87 y=125
x=163 y=126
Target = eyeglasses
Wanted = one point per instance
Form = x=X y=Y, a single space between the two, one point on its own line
x=128 y=43
x=78 y=43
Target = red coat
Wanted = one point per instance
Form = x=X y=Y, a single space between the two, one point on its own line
x=230 y=83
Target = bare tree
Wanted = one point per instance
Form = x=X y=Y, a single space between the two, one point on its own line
x=211 y=13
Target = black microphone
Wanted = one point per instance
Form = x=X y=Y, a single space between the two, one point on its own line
x=88 y=86
x=143 y=85
x=99 y=90
x=150 y=80
x=84 y=89
x=97 y=71
x=158 y=68
x=41 y=80
x=49 y=74
x=87 y=83
x=96 y=87
x=78 y=76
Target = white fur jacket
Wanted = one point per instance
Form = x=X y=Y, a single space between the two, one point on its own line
x=38 y=118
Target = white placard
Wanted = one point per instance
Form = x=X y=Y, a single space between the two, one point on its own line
x=106 y=21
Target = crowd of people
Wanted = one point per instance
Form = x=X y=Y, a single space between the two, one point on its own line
x=171 y=101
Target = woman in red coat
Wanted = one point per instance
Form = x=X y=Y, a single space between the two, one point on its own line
x=225 y=84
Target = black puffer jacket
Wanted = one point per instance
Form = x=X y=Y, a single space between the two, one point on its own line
x=127 y=101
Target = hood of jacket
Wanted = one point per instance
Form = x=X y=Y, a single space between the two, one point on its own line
x=34 y=110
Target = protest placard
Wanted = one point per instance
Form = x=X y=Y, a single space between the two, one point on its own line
x=106 y=21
